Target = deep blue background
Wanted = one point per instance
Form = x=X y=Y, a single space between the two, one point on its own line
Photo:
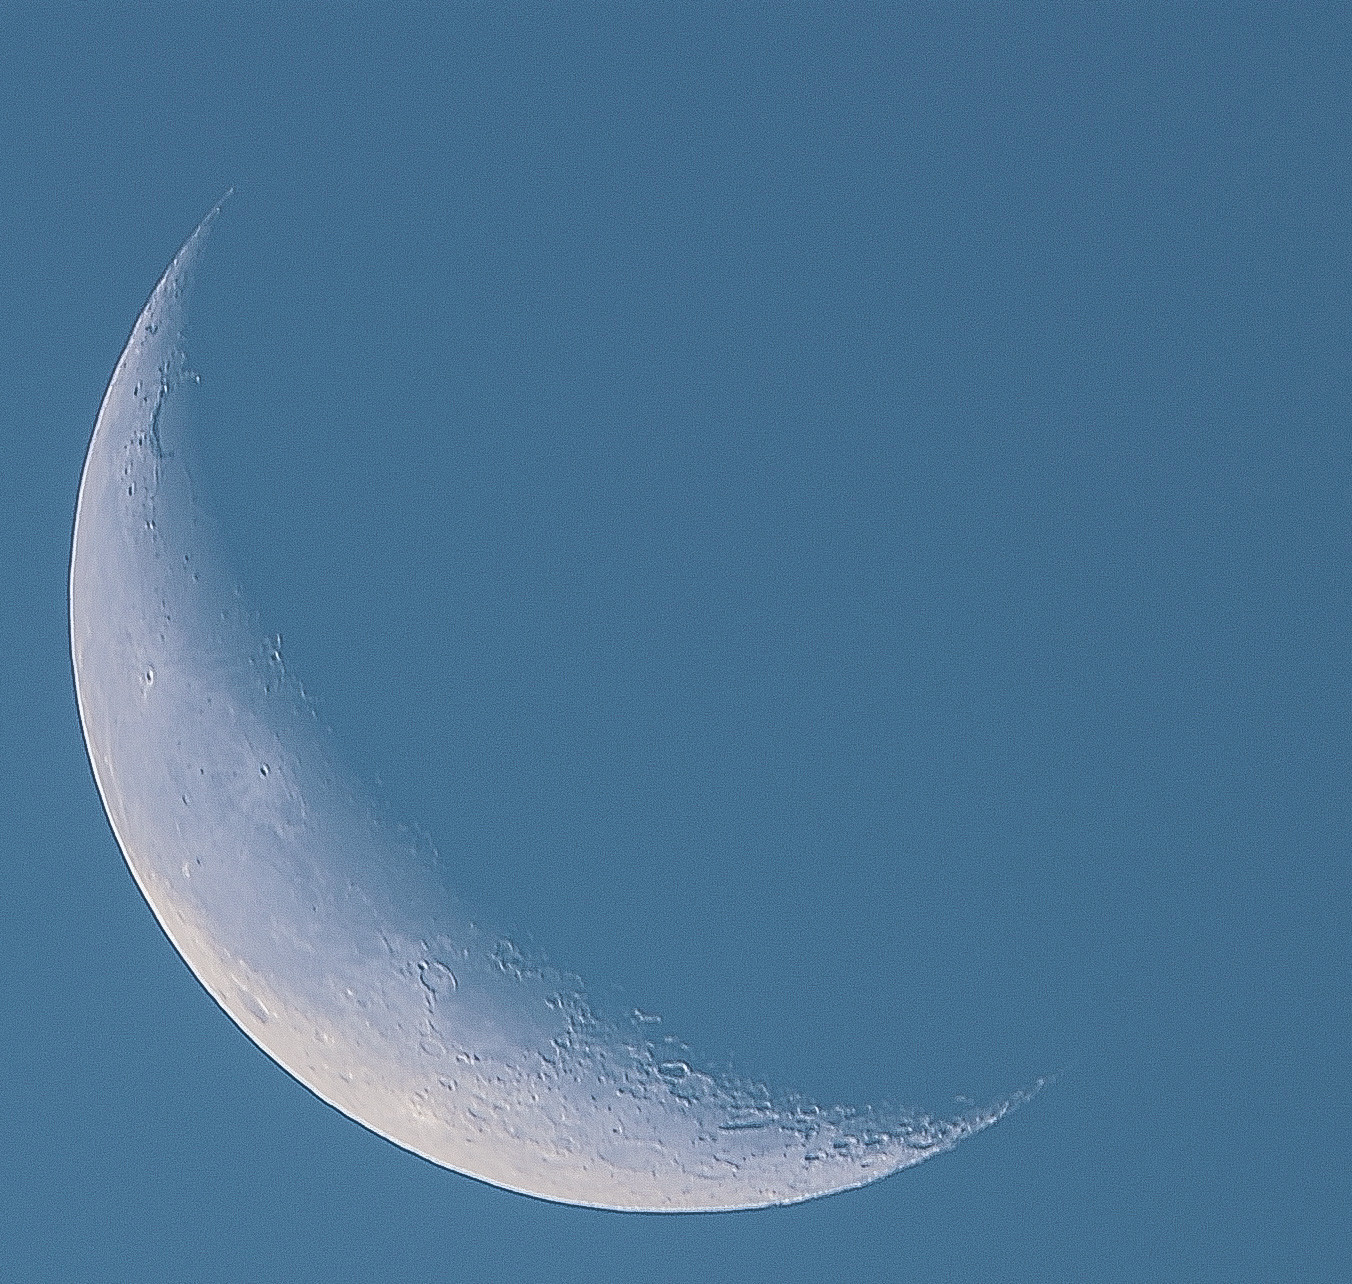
x=835 y=523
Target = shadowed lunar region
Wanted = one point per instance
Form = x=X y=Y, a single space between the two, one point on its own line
x=329 y=936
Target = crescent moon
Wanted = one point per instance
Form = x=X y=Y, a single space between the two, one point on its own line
x=330 y=937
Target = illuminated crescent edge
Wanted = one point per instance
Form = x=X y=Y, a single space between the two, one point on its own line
x=327 y=933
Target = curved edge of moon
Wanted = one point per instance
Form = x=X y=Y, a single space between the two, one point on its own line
x=330 y=938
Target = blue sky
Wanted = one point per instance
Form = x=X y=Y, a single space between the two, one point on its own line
x=835 y=523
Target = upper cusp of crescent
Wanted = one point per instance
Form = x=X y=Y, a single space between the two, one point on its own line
x=120 y=578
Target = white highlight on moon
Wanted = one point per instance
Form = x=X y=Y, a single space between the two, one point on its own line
x=329 y=937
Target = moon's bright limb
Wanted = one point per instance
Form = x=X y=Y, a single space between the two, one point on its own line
x=328 y=936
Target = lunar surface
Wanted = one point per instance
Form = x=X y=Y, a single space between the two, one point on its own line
x=326 y=933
